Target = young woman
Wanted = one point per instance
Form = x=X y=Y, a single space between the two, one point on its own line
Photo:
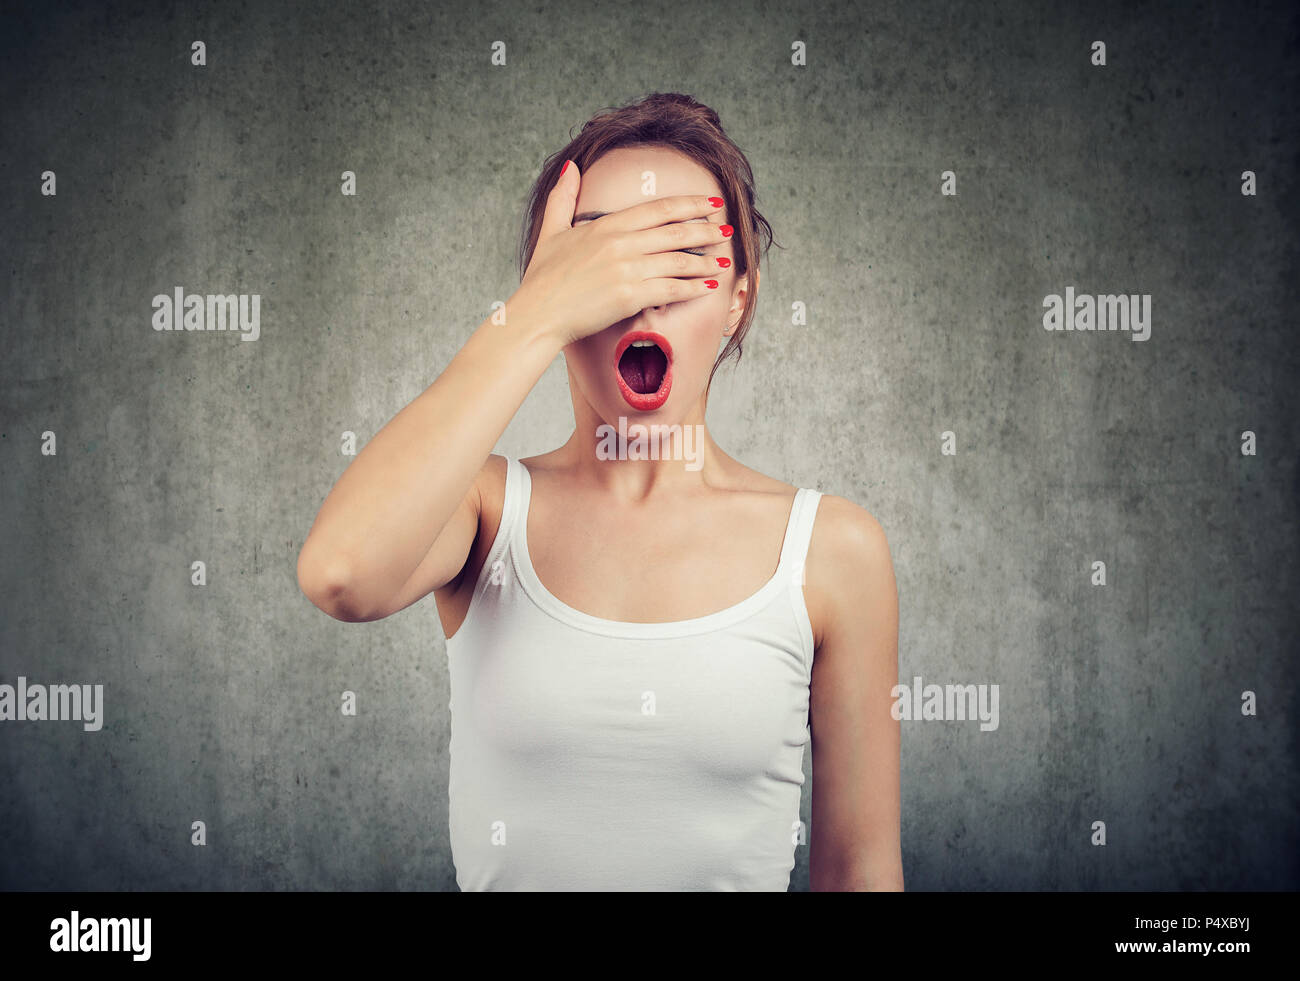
x=641 y=644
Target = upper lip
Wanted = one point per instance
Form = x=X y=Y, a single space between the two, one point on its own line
x=642 y=335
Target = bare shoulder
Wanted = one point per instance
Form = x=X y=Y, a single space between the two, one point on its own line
x=848 y=564
x=848 y=528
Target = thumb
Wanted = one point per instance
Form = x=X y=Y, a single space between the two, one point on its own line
x=561 y=202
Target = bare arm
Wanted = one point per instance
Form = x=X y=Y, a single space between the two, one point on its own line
x=391 y=511
x=856 y=803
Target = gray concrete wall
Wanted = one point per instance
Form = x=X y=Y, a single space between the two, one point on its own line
x=1119 y=703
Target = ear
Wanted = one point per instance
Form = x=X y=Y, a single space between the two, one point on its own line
x=739 y=293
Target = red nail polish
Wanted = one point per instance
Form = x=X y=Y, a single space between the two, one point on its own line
x=564 y=168
x=723 y=261
x=716 y=202
x=711 y=284
x=726 y=230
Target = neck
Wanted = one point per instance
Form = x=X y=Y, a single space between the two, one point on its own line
x=638 y=455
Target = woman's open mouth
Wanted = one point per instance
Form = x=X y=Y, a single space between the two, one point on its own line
x=643 y=365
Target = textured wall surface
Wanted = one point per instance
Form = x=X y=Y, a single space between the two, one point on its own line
x=1120 y=703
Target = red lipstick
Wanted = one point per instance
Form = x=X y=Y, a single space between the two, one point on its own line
x=645 y=372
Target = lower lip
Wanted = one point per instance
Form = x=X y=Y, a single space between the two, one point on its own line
x=646 y=401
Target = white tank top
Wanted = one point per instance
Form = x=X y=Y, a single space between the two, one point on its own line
x=592 y=754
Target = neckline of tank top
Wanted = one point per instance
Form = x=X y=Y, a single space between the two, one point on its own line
x=709 y=623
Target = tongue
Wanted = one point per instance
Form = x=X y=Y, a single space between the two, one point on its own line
x=643 y=368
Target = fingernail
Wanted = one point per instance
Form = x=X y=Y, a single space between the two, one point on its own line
x=716 y=202
x=726 y=230
x=564 y=168
x=723 y=261
x=711 y=284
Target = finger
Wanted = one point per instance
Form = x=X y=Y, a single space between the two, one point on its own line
x=677 y=207
x=692 y=233
x=561 y=202
x=681 y=265
x=661 y=292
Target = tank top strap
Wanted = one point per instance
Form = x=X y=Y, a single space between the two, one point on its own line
x=498 y=557
x=515 y=475
x=515 y=507
x=798 y=534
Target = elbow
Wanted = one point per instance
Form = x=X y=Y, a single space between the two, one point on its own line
x=328 y=586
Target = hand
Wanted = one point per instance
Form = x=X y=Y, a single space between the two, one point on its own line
x=581 y=280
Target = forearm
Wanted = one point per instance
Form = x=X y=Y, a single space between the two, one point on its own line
x=880 y=870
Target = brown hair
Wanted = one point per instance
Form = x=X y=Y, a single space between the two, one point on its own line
x=677 y=121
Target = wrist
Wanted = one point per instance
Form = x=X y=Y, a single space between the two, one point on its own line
x=535 y=327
